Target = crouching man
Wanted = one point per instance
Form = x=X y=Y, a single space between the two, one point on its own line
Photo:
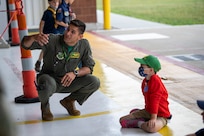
x=60 y=74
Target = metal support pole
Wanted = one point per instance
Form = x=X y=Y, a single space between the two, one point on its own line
x=106 y=14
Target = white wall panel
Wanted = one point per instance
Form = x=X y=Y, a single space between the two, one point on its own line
x=3 y=19
x=33 y=10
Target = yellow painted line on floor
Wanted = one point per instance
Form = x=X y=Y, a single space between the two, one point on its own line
x=68 y=117
x=166 y=131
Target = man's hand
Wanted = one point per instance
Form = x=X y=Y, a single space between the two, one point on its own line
x=73 y=15
x=42 y=39
x=67 y=79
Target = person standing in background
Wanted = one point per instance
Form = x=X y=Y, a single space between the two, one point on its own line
x=47 y=25
x=64 y=15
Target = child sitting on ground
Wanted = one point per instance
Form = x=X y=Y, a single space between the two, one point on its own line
x=155 y=114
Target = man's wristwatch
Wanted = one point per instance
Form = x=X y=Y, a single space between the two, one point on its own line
x=76 y=72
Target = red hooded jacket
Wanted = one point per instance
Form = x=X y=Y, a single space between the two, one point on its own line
x=155 y=95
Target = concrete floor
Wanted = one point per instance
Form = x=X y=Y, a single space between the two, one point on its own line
x=119 y=93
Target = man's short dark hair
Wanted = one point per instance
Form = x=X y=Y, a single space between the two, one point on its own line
x=81 y=25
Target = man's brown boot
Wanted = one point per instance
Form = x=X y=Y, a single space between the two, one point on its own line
x=68 y=104
x=46 y=113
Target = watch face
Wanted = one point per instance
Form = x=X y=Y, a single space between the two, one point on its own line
x=76 y=72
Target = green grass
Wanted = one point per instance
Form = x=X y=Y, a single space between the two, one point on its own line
x=173 y=12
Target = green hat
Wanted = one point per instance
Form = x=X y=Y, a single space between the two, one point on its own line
x=151 y=61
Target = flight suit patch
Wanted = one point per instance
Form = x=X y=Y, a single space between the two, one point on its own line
x=74 y=55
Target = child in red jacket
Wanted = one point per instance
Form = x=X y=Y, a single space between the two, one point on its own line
x=156 y=112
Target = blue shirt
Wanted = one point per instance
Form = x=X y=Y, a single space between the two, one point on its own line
x=63 y=15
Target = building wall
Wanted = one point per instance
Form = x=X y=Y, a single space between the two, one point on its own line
x=4 y=19
x=33 y=9
x=85 y=10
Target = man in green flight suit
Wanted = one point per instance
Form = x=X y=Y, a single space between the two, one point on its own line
x=59 y=74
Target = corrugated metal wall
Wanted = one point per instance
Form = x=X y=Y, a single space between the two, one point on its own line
x=3 y=19
x=33 y=10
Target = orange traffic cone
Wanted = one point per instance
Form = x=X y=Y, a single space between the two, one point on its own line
x=29 y=88
x=15 y=40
